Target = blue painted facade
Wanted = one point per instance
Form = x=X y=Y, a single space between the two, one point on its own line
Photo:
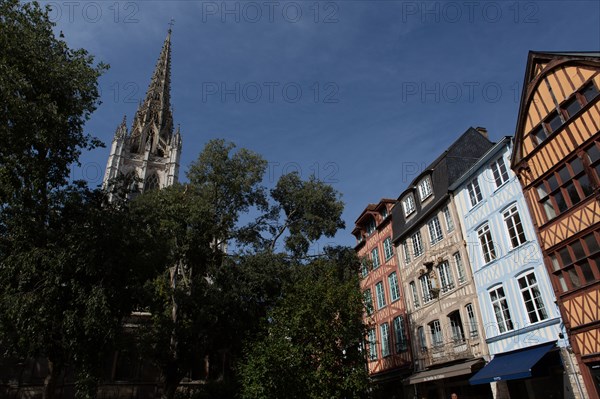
x=515 y=295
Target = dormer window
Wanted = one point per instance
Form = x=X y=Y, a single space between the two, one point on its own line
x=425 y=189
x=408 y=205
x=384 y=213
x=371 y=226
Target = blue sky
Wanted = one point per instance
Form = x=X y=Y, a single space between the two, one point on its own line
x=362 y=93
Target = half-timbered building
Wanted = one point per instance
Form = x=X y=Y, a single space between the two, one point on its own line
x=557 y=159
x=388 y=349
x=441 y=300
x=521 y=322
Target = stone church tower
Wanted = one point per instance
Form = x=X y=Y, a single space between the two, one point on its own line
x=148 y=155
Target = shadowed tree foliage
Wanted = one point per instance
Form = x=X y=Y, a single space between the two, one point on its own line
x=310 y=346
x=47 y=92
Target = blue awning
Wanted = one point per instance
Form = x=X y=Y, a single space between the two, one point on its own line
x=511 y=366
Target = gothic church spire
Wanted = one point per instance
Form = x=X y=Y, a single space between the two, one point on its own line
x=153 y=122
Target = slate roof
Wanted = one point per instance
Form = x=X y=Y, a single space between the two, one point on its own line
x=444 y=171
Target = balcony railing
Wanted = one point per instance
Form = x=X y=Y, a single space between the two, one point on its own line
x=445 y=352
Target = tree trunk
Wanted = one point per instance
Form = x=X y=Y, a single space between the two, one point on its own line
x=54 y=369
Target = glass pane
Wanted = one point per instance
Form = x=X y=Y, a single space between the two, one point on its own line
x=560 y=201
x=549 y=208
x=564 y=174
x=586 y=186
x=539 y=134
x=578 y=250
x=593 y=153
x=542 y=192
x=572 y=107
x=590 y=92
x=565 y=256
x=555 y=122
x=591 y=243
x=554 y=262
x=573 y=194
x=586 y=270
x=553 y=183
x=577 y=165
x=574 y=278
x=563 y=283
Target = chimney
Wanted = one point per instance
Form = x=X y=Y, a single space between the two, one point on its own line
x=483 y=131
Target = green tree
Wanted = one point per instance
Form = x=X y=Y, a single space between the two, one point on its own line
x=310 y=347
x=51 y=302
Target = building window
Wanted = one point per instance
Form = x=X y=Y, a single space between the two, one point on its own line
x=406 y=252
x=532 y=298
x=499 y=171
x=474 y=192
x=415 y=294
x=371 y=226
x=539 y=134
x=472 y=321
x=152 y=183
x=375 y=258
x=425 y=189
x=593 y=159
x=372 y=344
x=487 y=245
x=394 y=288
x=590 y=92
x=514 y=226
x=435 y=230
x=456 y=327
x=400 y=335
x=578 y=263
x=384 y=330
x=368 y=301
x=445 y=277
x=553 y=122
x=564 y=188
x=364 y=269
x=501 y=311
x=460 y=269
x=449 y=221
x=426 y=287
x=422 y=340
x=436 y=333
x=388 y=250
x=380 y=292
x=384 y=213
x=417 y=244
x=408 y=205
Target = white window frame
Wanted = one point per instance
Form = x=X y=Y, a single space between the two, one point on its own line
x=437 y=338
x=448 y=218
x=380 y=293
x=473 y=330
x=394 y=287
x=474 y=192
x=384 y=332
x=488 y=250
x=446 y=281
x=460 y=268
x=417 y=244
x=532 y=297
x=372 y=338
x=500 y=309
x=375 y=257
x=435 y=230
x=406 y=252
x=415 y=294
x=514 y=226
x=426 y=288
x=400 y=334
x=499 y=171
x=388 y=249
x=425 y=188
x=408 y=205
